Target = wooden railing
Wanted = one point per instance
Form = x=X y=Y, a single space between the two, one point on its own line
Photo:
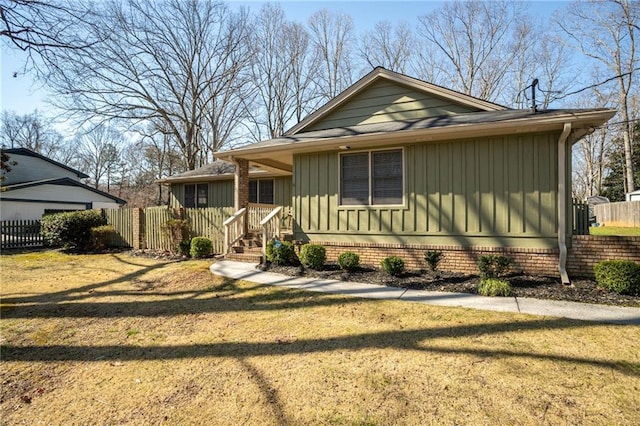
x=270 y=228
x=234 y=229
x=257 y=212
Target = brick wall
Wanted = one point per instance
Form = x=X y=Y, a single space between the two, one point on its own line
x=587 y=250
x=458 y=259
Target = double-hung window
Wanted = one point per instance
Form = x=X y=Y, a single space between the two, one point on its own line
x=261 y=191
x=372 y=178
x=196 y=195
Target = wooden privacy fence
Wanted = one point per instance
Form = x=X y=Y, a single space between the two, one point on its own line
x=143 y=228
x=209 y=223
x=20 y=234
x=580 y=217
x=122 y=221
x=626 y=213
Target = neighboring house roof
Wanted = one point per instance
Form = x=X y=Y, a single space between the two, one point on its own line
x=218 y=170
x=28 y=153
x=61 y=182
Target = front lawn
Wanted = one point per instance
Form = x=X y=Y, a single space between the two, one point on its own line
x=615 y=230
x=113 y=339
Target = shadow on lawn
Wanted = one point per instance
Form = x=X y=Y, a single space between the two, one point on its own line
x=228 y=296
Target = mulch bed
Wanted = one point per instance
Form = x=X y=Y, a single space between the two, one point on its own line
x=550 y=288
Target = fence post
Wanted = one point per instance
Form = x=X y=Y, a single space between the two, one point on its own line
x=138 y=229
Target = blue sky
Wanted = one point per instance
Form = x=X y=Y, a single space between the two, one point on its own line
x=22 y=95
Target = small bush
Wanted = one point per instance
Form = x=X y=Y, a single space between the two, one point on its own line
x=433 y=259
x=313 y=256
x=393 y=265
x=102 y=236
x=184 y=248
x=493 y=266
x=71 y=229
x=281 y=253
x=620 y=276
x=349 y=261
x=494 y=287
x=176 y=230
x=201 y=247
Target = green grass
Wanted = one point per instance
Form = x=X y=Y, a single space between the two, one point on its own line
x=614 y=230
x=112 y=339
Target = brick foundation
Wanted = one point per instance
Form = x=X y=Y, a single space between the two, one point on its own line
x=586 y=251
x=458 y=259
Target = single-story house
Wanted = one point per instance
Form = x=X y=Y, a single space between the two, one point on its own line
x=36 y=185
x=398 y=166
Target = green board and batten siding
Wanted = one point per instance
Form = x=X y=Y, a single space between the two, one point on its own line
x=487 y=192
x=221 y=192
x=384 y=101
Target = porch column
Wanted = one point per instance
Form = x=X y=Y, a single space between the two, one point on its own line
x=241 y=184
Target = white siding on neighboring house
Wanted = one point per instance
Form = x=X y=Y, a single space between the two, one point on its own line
x=10 y=210
x=633 y=196
x=60 y=193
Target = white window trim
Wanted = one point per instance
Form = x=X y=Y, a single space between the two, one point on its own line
x=370 y=203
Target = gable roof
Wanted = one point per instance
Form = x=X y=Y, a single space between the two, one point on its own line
x=65 y=181
x=29 y=153
x=465 y=103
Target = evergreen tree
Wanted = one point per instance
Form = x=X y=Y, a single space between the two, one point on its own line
x=614 y=187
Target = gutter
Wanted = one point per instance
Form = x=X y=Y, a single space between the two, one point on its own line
x=562 y=202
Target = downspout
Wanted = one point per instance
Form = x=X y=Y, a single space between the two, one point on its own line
x=562 y=202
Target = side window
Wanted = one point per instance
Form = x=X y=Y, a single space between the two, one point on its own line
x=203 y=195
x=190 y=196
x=261 y=191
x=372 y=178
x=196 y=195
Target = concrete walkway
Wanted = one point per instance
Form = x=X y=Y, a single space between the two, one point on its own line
x=573 y=310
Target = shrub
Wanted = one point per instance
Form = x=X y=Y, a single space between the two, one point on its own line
x=433 y=259
x=71 y=229
x=281 y=252
x=393 y=265
x=102 y=236
x=493 y=266
x=176 y=230
x=494 y=287
x=349 y=261
x=184 y=248
x=313 y=256
x=620 y=276
x=201 y=247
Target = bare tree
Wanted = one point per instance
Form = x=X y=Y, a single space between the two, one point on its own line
x=332 y=35
x=387 y=46
x=181 y=62
x=35 y=132
x=282 y=71
x=606 y=31
x=41 y=28
x=473 y=45
x=99 y=153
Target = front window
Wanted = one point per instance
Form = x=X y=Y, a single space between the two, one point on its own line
x=196 y=195
x=261 y=191
x=371 y=178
